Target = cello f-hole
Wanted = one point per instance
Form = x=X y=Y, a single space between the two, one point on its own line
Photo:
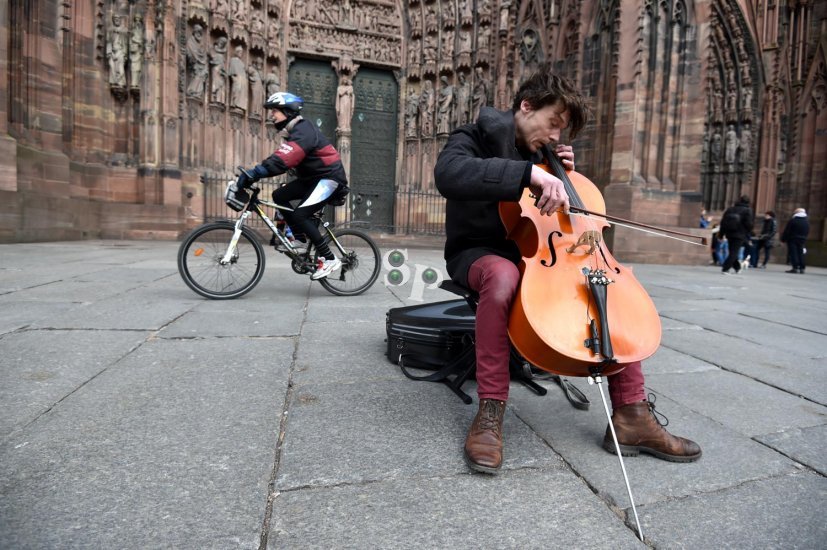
x=551 y=249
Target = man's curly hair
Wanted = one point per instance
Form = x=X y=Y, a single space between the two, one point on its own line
x=546 y=88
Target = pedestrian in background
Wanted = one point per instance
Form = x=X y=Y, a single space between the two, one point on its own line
x=795 y=235
x=719 y=246
x=765 y=240
x=736 y=225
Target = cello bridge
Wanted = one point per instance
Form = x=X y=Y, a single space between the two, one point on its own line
x=588 y=238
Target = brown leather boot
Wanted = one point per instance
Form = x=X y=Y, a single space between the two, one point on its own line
x=484 y=444
x=638 y=431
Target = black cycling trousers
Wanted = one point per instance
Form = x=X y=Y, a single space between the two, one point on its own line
x=311 y=199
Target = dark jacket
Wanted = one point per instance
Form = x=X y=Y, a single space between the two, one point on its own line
x=743 y=228
x=307 y=151
x=479 y=167
x=769 y=227
x=796 y=230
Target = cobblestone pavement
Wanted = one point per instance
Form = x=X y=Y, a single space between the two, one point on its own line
x=135 y=414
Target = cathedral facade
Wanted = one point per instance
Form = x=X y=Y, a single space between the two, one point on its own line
x=117 y=114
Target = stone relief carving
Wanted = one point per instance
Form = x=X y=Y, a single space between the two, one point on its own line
x=416 y=22
x=239 y=11
x=463 y=100
x=449 y=15
x=116 y=51
x=238 y=80
x=431 y=25
x=136 y=51
x=272 y=83
x=480 y=97
x=256 y=87
x=483 y=41
x=218 y=92
x=715 y=149
x=466 y=17
x=411 y=113
x=256 y=22
x=221 y=7
x=447 y=46
x=730 y=145
x=197 y=63
x=446 y=105
x=426 y=109
x=746 y=143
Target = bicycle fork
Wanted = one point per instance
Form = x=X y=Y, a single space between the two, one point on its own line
x=228 y=256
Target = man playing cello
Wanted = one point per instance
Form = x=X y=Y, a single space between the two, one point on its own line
x=490 y=161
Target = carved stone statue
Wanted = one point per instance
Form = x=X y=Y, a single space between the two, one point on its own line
x=136 y=51
x=222 y=8
x=238 y=80
x=716 y=148
x=446 y=105
x=430 y=48
x=239 y=10
x=196 y=63
x=463 y=100
x=346 y=17
x=746 y=143
x=411 y=112
x=430 y=21
x=256 y=22
x=480 y=98
x=465 y=44
x=218 y=92
x=730 y=144
x=344 y=103
x=426 y=109
x=273 y=33
x=447 y=45
x=256 y=87
x=116 y=52
x=732 y=99
x=272 y=83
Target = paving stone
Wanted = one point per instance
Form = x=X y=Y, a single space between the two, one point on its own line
x=739 y=402
x=40 y=368
x=780 y=512
x=525 y=509
x=785 y=369
x=728 y=458
x=361 y=432
x=805 y=445
x=173 y=447
x=328 y=354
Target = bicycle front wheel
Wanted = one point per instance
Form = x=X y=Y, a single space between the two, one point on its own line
x=201 y=255
x=361 y=263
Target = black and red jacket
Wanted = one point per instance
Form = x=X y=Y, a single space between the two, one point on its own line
x=308 y=153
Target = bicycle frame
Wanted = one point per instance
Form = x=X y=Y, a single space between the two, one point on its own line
x=256 y=203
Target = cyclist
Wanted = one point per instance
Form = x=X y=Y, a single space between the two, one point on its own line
x=319 y=172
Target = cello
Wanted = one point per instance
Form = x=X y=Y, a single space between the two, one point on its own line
x=578 y=311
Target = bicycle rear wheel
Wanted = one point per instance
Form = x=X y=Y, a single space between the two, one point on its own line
x=200 y=255
x=361 y=263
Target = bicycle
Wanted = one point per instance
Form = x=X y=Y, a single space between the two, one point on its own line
x=225 y=259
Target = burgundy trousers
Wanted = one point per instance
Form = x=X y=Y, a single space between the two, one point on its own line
x=496 y=280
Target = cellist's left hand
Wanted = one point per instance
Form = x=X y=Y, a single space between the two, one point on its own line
x=566 y=154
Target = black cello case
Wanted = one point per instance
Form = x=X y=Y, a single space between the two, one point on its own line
x=429 y=335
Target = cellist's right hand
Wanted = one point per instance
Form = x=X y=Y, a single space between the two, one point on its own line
x=551 y=192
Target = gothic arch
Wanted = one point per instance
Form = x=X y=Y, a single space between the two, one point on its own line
x=733 y=88
x=599 y=82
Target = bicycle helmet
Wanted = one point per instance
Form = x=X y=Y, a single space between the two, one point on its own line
x=285 y=102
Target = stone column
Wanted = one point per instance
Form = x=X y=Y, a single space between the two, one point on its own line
x=8 y=145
